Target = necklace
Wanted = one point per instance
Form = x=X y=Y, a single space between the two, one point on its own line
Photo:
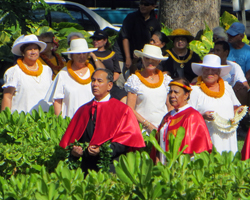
x=76 y=77
x=59 y=61
x=26 y=70
x=151 y=85
x=182 y=62
x=210 y=93
x=107 y=57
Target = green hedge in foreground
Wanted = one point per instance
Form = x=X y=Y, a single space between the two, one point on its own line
x=34 y=167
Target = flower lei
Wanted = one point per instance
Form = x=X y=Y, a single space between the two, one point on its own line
x=210 y=93
x=107 y=57
x=30 y=72
x=76 y=77
x=151 y=85
x=50 y=64
x=180 y=85
x=181 y=61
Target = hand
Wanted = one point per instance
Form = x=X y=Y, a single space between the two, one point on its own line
x=240 y=109
x=77 y=151
x=208 y=115
x=151 y=127
x=128 y=62
x=94 y=150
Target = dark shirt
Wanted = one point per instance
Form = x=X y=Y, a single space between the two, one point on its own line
x=175 y=68
x=137 y=31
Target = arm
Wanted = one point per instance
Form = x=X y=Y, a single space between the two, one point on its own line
x=131 y=102
x=97 y=62
x=126 y=49
x=58 y=106
x=116 y=76
x=7 y=97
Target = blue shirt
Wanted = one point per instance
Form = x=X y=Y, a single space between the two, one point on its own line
x=240 y=56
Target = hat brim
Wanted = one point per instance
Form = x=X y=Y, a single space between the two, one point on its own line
x=232 y=32
x=80 y=51
x=189 y=37
x=141 y=54
x=16 y=49
x=197 y=68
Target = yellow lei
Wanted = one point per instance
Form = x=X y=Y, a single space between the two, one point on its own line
x=181 y=61
x=210 y=93
x=76 y=77
x=30 y=72
x=107 y=57
x=151 y=85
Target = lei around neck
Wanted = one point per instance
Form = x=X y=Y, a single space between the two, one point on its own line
x=151 y=85
x=28 y=71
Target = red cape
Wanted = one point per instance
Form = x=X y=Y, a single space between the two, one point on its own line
x=196 y=136
x=115 y=121
x=245 y=152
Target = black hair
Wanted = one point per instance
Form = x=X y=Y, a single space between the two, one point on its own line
x=162 y=37
x=26 y=45
x=110 y=76
x=46 y=35
x=224 y=44
x=185 y=82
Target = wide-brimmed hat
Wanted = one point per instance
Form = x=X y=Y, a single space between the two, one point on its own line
x=150 y=51
x=180 y=32
x=26 y=39
x=212 y=61
x=99 y=34
x=79 y=45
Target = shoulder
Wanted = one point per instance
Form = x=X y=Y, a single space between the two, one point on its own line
x=133 y=83
x=166 y=80
x=247 y=47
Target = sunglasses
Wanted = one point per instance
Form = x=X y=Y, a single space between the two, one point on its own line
x=145 y=4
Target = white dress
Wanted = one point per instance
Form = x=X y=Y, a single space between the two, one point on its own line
x=150 y=102
x=72 y=93
x=30 y=91
x=224 y=106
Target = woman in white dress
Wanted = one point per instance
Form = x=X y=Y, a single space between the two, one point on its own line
x=216 y=101
x=148 y=89
x=72 y=85
x=27 y=82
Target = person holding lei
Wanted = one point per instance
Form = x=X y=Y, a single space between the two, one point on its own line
x=71 y=87
x=148 y=89
x=49 y=56
x=27 y=82
x=215 y=99
x=196 y=133
x=180 y=57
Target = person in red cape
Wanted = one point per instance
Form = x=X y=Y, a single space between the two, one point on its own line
x=245 y=152
x=196 y=133
x=101 y=120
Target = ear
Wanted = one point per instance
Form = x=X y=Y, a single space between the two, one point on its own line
x=110 y=85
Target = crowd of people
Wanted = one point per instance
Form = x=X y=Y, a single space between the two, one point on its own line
x=107 y=92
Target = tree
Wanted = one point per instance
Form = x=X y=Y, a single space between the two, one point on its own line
x=189 y=14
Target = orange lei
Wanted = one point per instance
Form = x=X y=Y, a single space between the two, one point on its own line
x=76 y=77
x=210 y=93
x=30 y=72
x=151 y=85
x=59 y=61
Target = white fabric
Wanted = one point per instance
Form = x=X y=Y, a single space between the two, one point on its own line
x=72 y=93
x=150 y=102
x=224 y=106
x=106 y=98
x=236 y=74
x=29 y=90
x=165 y=129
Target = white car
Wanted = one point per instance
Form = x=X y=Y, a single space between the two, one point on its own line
x=83 y=16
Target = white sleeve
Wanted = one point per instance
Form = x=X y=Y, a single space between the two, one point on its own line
x=166 y=81
x=194 y=97
x=133 y=84
x=239 y=74
x=232 y=94
x=11 y=77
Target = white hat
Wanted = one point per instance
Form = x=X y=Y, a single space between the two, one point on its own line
x=150 y=51
x=79 y=45
x=212 y=61
x=26 y=39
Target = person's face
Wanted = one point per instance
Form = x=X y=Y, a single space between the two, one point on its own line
x=210 y=75
x=49 y=42
x=32 y=52
x=99 y=43
x=79 y=57
x=177 y=96
x=180 y=42
x=156 y=41
x=149 y=63
x=100 y=85
x=235 y=39
x=146 y=8
x=219 y=51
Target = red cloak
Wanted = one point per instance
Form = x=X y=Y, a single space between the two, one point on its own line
x=196 y=133
x=115 y=121
x=245 y=152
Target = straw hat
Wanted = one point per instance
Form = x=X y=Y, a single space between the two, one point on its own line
x=212 y=61
x=180 y=32
x=26 y=39
x=150 y=51
x=79 y=45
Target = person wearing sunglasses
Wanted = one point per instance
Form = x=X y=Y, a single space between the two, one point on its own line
x=136 y=31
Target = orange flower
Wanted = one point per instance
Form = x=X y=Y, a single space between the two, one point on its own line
x=30 y=72
x=151 y=85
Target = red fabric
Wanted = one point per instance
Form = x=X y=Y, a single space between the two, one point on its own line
x=196 y=136
x=245 y=152
x=115 y=121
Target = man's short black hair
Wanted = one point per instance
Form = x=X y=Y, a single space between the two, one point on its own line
x=224 y=44
x=110 y=76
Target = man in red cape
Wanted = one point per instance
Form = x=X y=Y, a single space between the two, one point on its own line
x=101 y=120
x=245 y=152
